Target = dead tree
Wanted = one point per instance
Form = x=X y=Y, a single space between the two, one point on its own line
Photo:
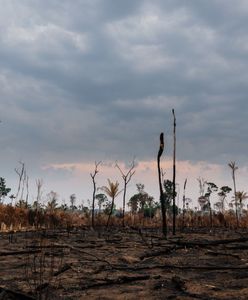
x=234 y=168
x=39 y=184
x=23 y=184
x=93 y=175
x=174 y=173
x=184 y=188
x=20 y=172
x=27 y=189
x=162 y=200
x=126 y=178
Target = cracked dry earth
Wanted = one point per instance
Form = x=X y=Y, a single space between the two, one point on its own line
x=124 y=264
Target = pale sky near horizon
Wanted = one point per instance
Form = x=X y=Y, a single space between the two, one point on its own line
x=96 y=80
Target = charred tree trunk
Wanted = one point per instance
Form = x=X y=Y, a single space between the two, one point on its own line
x=184 y=188
x=210 y=214
x=234 y=168
x=162 y=200
x=174 y=173
x=110 y=213
x=93 y=203
x=94 y=194
x=126 y=178
x=20 y=173
x=235 y=197
x=124 y=204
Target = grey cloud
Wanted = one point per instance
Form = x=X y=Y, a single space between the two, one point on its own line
x=89 y=80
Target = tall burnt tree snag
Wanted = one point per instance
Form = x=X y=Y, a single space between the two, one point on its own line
x=93 y=175
x=162 y=199
x=174 y=173
x=184 y=199
x=234 y=168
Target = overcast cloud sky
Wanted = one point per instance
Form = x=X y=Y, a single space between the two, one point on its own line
x=90 y=80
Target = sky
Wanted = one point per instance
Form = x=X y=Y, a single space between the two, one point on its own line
x=96 y=80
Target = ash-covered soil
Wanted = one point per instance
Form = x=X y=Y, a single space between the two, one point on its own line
x=124 y=264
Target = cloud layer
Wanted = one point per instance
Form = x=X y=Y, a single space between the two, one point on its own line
x=97 y=79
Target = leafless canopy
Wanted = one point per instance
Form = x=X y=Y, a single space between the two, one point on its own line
x=93 y=175
x=126 y=178
x=23 y=183
x=21 y=174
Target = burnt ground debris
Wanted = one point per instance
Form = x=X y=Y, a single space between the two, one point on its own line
x=124 y=264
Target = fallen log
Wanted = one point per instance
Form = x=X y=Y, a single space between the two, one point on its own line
x=114 y=240
x=237 y=247
x=206 y=243
x=181 y=267
x=216 y=253
x=42 y=286
x=63 y=269
x=89 y=246
x=44 y=246
x=6 y=268
x=10 y=294
x=119 y=280
x=4 y=253
x=157 y=253
x=89 y=254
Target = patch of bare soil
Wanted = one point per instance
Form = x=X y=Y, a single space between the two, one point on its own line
x=123 y=264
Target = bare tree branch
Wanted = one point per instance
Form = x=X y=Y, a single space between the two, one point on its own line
x=126 y=178
x=20 y=173
x=93 y=175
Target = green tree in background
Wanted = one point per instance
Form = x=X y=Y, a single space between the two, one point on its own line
x=224 y=190
x=101 y=199
x=169 y=195
x=141 y=201
x=3 y=189
x=212 y=187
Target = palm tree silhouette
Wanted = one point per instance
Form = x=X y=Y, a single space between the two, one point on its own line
x=112 y=190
